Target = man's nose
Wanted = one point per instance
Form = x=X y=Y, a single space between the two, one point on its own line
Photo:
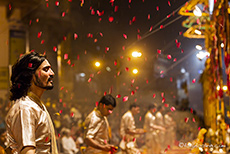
x=51 y=72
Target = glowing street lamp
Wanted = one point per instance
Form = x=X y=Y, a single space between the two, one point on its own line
x=135 y=71
x=198 y=47
x=136 y=54
x=97 y=64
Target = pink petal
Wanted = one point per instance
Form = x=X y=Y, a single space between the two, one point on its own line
x=75 y=36
x=172 y=109
x=65 y=56
x=125 y=36
x=126 y=69
x=148 y=16
x=133 y=80
x=42 y=41
x=57 y=3
x=71 y=114
x=166 y=105
x=158 y=51
x=163 y=100
x=174 y=60
x=157 y=8
x=39 y=34
x=60 y=111
x=182 y=51
x=63 y=14
x=118 y=96
x=186 y=120
x=69 y=62
x=191 y=110
x=193 y=119
x=169 y=3
x=194 y=80
x=115 y=8
x=169 y=56
x=171 y=79
x=115 y=62
x=125 y=98
x=55 y=49
x=161 y=26
x=132 y=93
x=111 y=19
x=147 y=81
x=96 y=104
x=140 y=118
x=154 y=95
x=89 y=80
x=61 y=88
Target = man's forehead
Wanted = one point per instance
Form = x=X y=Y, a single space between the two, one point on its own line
x=45 y=63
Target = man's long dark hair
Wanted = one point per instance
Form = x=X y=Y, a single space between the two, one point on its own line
x=22 y=72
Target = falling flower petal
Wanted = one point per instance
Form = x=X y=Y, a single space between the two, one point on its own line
x=166 y=105
x=147 y=81
x=55 y=49
x=61 y=88
x=132 y=93
x=161 y=26
x=111 y=19
x=71 y=114
x=115 y=62
x=169 y=3
x=186 y=120
x=174 y=60
x=125 y=98
x=157 y=8
x=154 y=95
x=140 y=118
x=133 y=80
x=191 y=110
x=39 y=34
x=57 y=3
x=172 y=109
x=42 y=41
x=169 y=56
x=148 y=16
x=118 y=96
x=68 y=62
x=89 y=80
x=158 y=51
x=125 y=36
x=194 y=80
x=115 y=8
x=193 y=119
x=65 y=56
x=126 y=69
x=96 y=104
x=163 y=100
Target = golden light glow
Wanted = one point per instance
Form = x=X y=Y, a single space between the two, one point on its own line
x=225 y=88
x=97 y=64
x=136 y=54
x=218 y=88
x=135 y=71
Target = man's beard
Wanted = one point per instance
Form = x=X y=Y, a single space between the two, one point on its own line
x=39 y=83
